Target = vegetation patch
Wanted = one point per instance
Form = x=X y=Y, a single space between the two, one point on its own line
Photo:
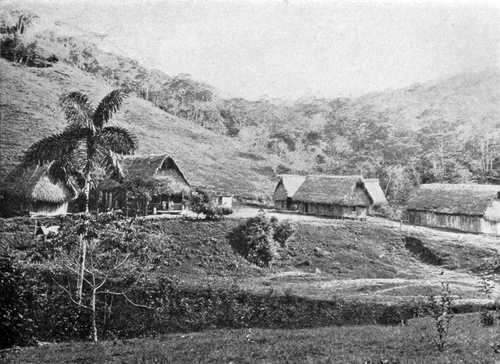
x=259 y=238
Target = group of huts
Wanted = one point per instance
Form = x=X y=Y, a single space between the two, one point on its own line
x=462 y=207
x=146 y=185
x=156 y=184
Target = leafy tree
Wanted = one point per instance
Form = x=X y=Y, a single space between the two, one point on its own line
x=107 y=262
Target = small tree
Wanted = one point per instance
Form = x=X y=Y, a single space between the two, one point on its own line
x=439 y=308
x=107 y=261
x=487 y=285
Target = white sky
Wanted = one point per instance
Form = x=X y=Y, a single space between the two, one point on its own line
x=291 y=49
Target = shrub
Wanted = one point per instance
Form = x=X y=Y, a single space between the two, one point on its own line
x=487 y=318
x=282 y=231
x=258 y=239
x=13 y=49
x=201 y=204
x=15 y=325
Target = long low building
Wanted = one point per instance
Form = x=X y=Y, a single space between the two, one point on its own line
x=333 y=196
x=329 y=195
x=463 y=207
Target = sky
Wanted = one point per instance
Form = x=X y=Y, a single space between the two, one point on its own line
x=292 y=49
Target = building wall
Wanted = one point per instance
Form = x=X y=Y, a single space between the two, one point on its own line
x=280 y=204
x=474 y=224
x=48 y=209
x=490 y=227
x=223 y=201
x=280 y=196
x=354 y=212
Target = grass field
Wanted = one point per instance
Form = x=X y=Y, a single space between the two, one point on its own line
x=469 y=342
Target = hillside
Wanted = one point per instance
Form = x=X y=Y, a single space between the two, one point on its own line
x=29 y=112
x=472 y=99
x=439 y=131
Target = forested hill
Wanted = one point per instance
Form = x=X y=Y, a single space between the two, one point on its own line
x=447 y=130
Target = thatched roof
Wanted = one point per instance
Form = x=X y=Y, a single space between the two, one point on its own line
x=36 y=184
x=455 y=199
x=338 y=190
x=291 y=183
x=160 y=169
x=373 y=188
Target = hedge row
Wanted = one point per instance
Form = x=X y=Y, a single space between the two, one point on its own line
x=44 y=311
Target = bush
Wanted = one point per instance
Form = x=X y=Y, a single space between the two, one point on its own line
x=259 y=238
x=282 y=231
x=201 y=204
x=13 y=49
x=487 y=318
x=15 y=325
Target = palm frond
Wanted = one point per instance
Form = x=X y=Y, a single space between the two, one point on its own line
x=77 y=109
x=119 y=140
x=108 y=106
x=108 y=161
x=55 y=147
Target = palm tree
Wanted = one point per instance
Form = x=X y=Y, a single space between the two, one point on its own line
x=86 y=145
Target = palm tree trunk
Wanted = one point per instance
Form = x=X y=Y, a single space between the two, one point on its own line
x=87 y=192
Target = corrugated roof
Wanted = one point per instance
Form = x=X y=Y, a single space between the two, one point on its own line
x=338 y=190
x=372 y=185
x=456 y=199
x=291 y=183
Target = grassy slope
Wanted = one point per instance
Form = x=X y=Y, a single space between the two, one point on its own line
x=468 y=343
x=29 y=112
x=346 y=258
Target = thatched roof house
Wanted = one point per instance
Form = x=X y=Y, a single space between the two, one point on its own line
x=33 y=191
x=158 y=169
x=339 y=196
x=160 y=173
x=464 y=207
x=287 y=185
